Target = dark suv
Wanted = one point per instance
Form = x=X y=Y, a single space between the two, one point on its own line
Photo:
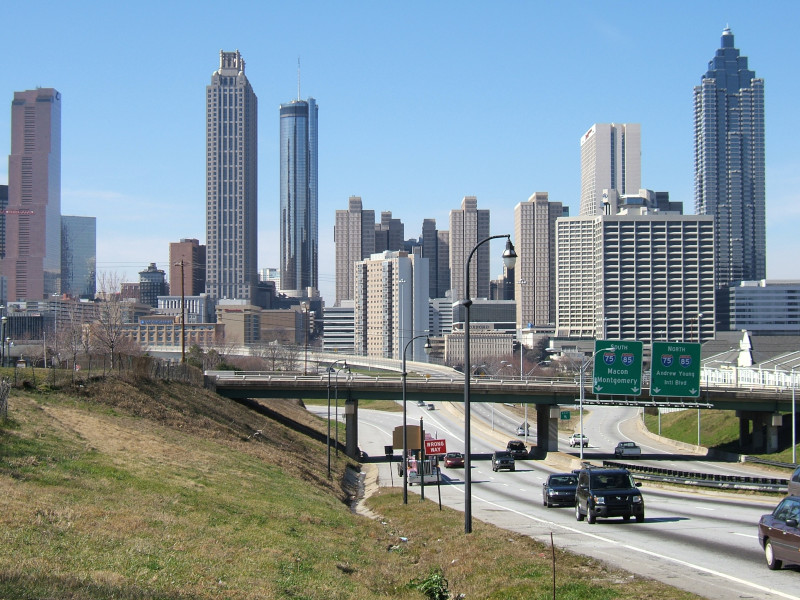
x=607 y=493
x=517 y=448
x=502 y=459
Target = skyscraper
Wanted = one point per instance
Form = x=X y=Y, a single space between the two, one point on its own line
x=729 y=177
x=32 y=260
x=611 y=158
x=354 y=235
x=469 y=226
x=299 y=204
x=187 y=257
x=535 y=269
x=231 y=182
x=79 y=256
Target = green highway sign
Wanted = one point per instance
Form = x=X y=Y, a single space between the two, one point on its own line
x=565 y=415
x=675 y=370
x=617 y=368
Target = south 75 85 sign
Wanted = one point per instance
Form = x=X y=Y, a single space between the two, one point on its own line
x=617 y=368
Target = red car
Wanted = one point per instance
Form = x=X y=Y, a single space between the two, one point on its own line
x=453 y=459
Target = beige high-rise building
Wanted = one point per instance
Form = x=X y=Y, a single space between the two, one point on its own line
x=469 y=226
x=354 y=236
x=231 y=182
x=31 y=259
x=535 y=269
x=611 y=158
x=391 y=305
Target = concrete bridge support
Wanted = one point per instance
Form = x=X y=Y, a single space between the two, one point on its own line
x=764 y=437
x=547 y=416
x=351 y=428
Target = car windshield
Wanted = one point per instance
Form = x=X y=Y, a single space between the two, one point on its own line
x=502 y=455
x=788 y=509
x=564 y=480
x=608 y=481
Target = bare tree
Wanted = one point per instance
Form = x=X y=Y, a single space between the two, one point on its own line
x=107 y=329
x=70 y=337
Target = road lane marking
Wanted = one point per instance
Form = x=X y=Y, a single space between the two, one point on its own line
x=642 y=551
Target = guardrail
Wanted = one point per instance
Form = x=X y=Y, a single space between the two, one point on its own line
x=710 y=480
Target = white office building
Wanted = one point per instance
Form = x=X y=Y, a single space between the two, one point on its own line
x=611 y=158
x=635 y=277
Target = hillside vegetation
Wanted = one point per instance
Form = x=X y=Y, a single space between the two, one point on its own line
x=142 y=489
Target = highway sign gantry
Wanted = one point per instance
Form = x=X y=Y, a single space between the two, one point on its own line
x=675 y=370
x=617 y=368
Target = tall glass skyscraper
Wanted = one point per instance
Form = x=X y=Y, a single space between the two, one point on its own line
x=299 y=200
x=729 y=168
x=231 y=182
x=79 y=256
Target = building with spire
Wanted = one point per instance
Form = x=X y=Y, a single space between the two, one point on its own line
x=729 y=160
x=299 y=260
x=231 y=182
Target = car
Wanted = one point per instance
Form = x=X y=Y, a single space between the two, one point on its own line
x=629 y=449
x=604 y=492
x=431 y=407
x=779 y=535
x=521 y=429
x=503 y=459
x=453 y=459
x=420 y=403
x=559 y=489
x=517 y=448
x=794 y=483
x=578 y=439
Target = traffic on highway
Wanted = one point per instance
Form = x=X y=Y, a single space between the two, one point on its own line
x=703 y=542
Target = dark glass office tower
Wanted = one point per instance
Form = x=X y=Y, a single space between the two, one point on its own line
x=231 y=182
x=729 y=168
x=299 y=229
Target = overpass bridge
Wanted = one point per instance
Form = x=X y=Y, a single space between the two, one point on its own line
x=760 y=404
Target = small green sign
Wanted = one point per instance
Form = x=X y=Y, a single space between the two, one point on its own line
x=617 y=368
x=565 y=415
x=675 y=370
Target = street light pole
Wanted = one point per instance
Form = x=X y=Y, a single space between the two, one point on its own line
x=509 y=258
x=404 y=458
x=304 y=306
x=328 y=440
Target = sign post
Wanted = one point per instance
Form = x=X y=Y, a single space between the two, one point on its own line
x=675 y=370
x=617 y=368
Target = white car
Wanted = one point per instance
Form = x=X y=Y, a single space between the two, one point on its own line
x=575 y=440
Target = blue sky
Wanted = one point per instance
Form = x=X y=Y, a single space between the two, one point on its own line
x=420 y=104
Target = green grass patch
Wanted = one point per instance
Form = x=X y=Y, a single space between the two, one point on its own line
x=163 y=491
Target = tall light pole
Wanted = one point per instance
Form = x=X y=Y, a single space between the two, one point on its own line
x=331 y=368
x=522 y=283
x=427 y=349
x=304 y=306
x=183 y=313
x=582 y=394
x=509 y=259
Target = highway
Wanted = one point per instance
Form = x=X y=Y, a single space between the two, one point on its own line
x=701 y=542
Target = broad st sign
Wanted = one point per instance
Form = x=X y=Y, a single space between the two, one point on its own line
x=675 y=370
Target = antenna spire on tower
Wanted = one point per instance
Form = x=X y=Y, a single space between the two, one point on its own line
x=298 y=78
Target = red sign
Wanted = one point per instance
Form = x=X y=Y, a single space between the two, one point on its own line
x=435 y=447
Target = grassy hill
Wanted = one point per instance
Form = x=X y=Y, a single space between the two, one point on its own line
x=142 y=489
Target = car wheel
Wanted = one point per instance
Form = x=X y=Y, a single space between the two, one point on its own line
x=626 y=518
x=513 y=468
x=578 y=513
x=772 y=562
x=546 y=503
x=591 y=515
x=640 y=518
x=494 y=469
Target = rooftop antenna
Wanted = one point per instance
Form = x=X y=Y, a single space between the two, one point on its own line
x=298 y=78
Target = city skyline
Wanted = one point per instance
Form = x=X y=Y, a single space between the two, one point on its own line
x=410 y=126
